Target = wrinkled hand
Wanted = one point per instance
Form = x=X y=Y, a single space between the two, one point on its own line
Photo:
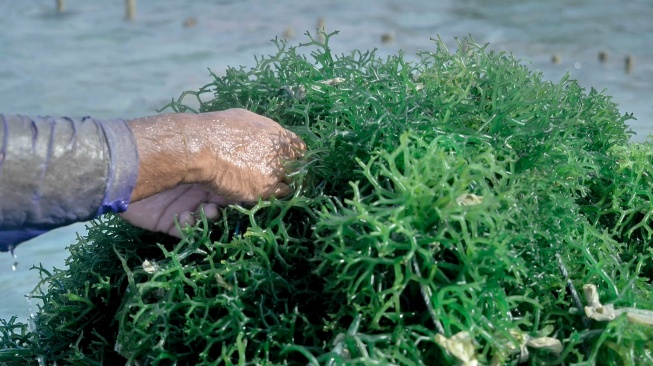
x=210 y=160
x=241 y=155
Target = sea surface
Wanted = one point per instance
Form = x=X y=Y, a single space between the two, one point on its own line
x=89 y=60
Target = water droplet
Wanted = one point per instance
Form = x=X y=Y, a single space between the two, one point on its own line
x=31 y=325
x=14 y=265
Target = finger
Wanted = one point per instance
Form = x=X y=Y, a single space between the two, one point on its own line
x=186 y=218
x=294 y=150
x=219 y=200
x=211 y=211
x=281 y=190
x=297 y=145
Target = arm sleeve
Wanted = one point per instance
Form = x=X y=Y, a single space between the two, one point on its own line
x=56 y=171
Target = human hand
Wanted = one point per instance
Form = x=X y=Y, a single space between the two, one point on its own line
x=237 y=154
x=211 y=159
x=241 y=155
x=184 y=202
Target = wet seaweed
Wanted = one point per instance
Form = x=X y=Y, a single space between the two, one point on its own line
x=456 y=199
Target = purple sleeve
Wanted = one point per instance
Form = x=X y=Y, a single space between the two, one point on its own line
x=56 y=171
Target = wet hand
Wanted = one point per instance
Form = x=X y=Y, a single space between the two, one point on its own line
x=209 y=160
x=241 y=155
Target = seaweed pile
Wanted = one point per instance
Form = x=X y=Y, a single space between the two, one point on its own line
x=450 y=210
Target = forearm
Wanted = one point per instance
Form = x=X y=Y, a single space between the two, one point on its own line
x=54 y=172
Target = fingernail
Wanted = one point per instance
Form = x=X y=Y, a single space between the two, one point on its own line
x=186 y=218
x=211 y=211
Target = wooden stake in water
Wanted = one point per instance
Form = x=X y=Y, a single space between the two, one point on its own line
x=60 y=6
x=321 y=25
x=630 y=63
x=131 y=9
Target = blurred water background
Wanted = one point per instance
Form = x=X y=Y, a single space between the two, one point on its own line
x=89 y=60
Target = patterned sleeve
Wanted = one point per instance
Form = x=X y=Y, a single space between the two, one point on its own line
x=57 y=171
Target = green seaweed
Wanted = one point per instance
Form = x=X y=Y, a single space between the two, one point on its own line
x=456 y=193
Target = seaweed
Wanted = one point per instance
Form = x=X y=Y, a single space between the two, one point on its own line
x=449 y=208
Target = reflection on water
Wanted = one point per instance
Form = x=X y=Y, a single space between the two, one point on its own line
x=89 y=61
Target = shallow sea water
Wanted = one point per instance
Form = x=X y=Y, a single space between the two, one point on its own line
x=90 y=61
